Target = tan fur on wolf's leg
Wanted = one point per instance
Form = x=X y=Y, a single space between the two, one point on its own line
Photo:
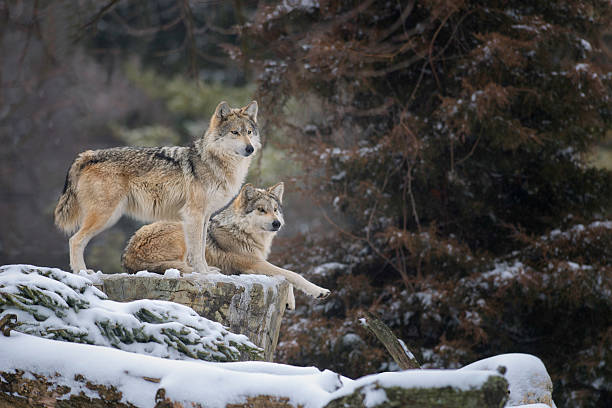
x=193 y=228
x=295 y=279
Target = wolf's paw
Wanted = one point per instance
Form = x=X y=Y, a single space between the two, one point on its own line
x=322 y=293
x=212 y=269
x=206 y=269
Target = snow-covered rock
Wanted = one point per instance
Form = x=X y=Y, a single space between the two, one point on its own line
x=54 y=304
x=35 y=369
x=529 y=382
x=252 y=305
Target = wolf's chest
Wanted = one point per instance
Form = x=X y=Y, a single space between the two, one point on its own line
x=228 y=188
x=219 y=199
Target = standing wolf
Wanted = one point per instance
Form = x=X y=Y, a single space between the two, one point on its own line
x=175 y=183
x=239 y=241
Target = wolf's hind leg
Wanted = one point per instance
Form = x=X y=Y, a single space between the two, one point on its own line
x=93 y=223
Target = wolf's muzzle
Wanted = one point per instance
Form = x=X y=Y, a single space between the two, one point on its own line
x=249 y=149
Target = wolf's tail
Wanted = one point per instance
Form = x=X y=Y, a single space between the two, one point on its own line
x=67 y=211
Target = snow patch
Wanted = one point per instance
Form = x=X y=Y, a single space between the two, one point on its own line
x=326 y=268
x=408 y=352
x=527 y=377
x=586 y=45
x=374 y=396
x=172 y=273
x=504 y=272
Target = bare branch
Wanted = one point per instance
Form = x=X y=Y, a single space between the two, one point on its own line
x=143 y=32
x=382 y=72
x=96 y=18
x=400 y=21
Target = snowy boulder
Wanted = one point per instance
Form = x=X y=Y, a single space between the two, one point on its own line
x=252 y=305
x=54 y=304
x=39 y=372
x=528 y=380
x=423 y=388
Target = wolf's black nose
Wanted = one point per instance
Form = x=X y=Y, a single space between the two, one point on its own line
x=249 y=149
x=276 y=224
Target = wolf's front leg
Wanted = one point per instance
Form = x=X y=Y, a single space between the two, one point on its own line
x=193 y=228
x=195 y=224
x=207 y=268
x=295 y=279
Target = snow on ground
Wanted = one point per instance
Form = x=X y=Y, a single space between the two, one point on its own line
x=503 y=272
x=81 y=305
x=529 y=406
x=328 y=267
x=59 y=305
x=218 y=384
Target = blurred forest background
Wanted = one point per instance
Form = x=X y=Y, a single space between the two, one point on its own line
x=448 y=161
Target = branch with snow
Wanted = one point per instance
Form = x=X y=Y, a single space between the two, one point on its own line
x=396 y=347
x=58 y=305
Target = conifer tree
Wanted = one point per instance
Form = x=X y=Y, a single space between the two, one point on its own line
x=450 y=138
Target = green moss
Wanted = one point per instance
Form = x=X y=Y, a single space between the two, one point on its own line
x=493 y=394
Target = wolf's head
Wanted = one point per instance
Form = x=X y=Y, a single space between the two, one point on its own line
x=234 y=131
x=261 y=208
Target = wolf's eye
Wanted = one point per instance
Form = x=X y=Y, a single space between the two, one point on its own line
x=261 y=209
x=275 y=209
x=234 y=132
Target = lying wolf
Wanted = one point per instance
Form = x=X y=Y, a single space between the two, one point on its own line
x=175 y=183
x=239 y=241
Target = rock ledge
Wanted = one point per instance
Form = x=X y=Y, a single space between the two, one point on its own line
x=252 y=305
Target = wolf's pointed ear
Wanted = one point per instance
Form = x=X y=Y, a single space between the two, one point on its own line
x=251 y=111
x=222 y=110
x=247 y=191
x=277 y=190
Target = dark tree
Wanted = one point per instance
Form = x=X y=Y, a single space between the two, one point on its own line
x=449 y=139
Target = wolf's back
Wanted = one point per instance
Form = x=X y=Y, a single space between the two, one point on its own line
x=67 y=211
